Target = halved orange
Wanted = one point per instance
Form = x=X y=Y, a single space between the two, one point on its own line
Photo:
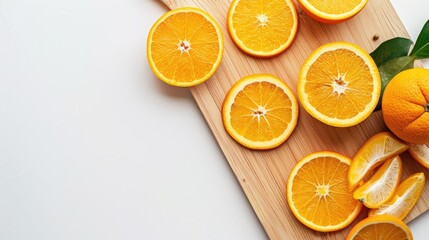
x=260 y=111
x=382 y=185
x=380 y=228
x=318 y=194
x=185 y=47
x=339 y=84
x=420 y=153
x=374 y=152
x=262 y=28
x=404 y=199
x=332 y=11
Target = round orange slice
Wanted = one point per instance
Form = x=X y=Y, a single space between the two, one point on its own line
x=404 y=199
x=339 y=84
x=260 y=111
x=332 y=11
x=372 y=154
x=318 y=194
x=380 y=228
x=420 y=153
x=185 y=47
x=262 y=28
x=382 y=185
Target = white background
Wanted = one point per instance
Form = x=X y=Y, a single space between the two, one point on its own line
x=93 y=146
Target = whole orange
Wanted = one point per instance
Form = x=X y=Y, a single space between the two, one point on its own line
x=405 y=105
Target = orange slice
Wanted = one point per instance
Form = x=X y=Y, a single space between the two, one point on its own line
x=339 y=84
x=260 y=111
x=405 y=198
x=374 y=152
x=380 y=228
x=382 y=185
x=262 y=28
x=317 y=192
x=420 y=153
x=185 y=47
x=332 y=11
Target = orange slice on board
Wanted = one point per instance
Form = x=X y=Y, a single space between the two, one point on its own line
x=185 y=47
x=404 y=199
x=380 y=228
x=382 y=185
x=332 y=11
x=374 y=152
x=339 y=84
x=262 y=28
x=260 y=111
x=420 y=153
x=318 y=194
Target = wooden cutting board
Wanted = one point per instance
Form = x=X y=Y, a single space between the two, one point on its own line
x=263 y=174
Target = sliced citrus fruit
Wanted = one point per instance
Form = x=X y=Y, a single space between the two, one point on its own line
x=339 y=84
x=185 y=47
x=317 y=192
x=262 y=28
x=332 y=11
x=382 y=185
x=404 y=199
x=374 y=152
x=420 y=153
x=260 y=111
x=380 y=228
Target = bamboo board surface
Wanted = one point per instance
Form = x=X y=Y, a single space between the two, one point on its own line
x=263 y=174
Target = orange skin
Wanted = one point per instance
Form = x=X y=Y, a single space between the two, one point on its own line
x=405 y=106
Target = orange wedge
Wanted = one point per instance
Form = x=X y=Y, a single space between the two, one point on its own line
x=382 y=185
x=332 y=11
x=420 y=153
x=380 y=228
x=317 y=192
x=339 y=84
x=260 y=111
x=262 y=28
x=374 y=152
x=185 y=47
x=404 y=199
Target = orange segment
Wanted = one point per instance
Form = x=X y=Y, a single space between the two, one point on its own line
x=332 y=11
x=405 y=198
x=339 y=84
x=374 y=152
x=262 y=28
x=380 y=228
x=420 y=153
x=185 y=47
x=260 y=111
x=382 y=185
x=317 y=192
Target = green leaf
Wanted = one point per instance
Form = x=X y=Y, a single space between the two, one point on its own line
x=390 y=49
x=390 y=69
x=421 y=48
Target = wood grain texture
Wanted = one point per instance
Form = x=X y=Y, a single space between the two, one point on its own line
x=263 y=174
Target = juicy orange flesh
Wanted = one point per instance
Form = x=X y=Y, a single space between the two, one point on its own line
x=321 y=193
x=382 y=184
x=202 y=52
x=334 y=6
x=374 y=152
x=420 y=153
x=346 y=70
x=381 y=231
x=263 y=25
x=261 y=111
x=405 y=198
